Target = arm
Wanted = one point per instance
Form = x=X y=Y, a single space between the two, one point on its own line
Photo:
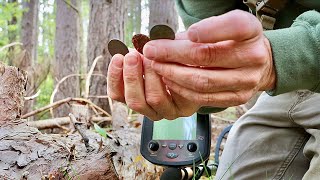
x=296 y=54
x=192 y=11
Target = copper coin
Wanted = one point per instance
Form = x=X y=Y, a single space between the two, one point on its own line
x=115 y=46
x=161 y=32
x=138 y=41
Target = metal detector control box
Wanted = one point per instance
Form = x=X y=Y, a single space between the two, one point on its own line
x=181 y=142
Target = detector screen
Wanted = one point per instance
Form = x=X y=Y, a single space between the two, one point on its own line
x=183 y=128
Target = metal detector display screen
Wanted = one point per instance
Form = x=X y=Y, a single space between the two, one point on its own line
x=183 y=128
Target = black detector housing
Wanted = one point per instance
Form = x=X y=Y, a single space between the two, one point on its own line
x=177 y=153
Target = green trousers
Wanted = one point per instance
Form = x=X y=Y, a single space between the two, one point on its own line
x=279 y=138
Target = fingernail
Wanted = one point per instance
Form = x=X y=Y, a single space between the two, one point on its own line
x=193 y=34
x=131 y=60
x=150 y=51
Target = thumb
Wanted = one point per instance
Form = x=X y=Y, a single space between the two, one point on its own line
x=235 y=25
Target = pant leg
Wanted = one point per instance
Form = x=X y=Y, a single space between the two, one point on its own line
x=307 y=114
x=267 y=143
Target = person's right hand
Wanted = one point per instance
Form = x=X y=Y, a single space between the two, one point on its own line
x=223 y=61
x=131 y=80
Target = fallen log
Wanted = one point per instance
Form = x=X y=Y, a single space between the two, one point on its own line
x=26 y=153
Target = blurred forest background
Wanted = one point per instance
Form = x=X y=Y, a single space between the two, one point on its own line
x=59 y=41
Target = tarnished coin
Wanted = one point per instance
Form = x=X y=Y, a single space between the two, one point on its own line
x=138 y=41
x=115 y=46
x=161 y=32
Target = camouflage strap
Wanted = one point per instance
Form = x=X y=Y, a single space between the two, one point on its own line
x=266 y=10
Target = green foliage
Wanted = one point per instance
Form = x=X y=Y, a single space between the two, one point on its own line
x=44 y=98
x=8 y=11
x=10 y=14
x=99 y=130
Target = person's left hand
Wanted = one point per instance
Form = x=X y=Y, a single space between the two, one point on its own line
x=131 y=80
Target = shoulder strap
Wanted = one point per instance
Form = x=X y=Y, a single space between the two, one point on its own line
x=266 y=10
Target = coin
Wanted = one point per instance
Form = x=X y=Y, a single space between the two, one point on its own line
x=161 y=32
x=138 y=41
x=115 y=46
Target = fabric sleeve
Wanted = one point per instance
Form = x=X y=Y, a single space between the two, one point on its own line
x=192 y=11
x=296 y=54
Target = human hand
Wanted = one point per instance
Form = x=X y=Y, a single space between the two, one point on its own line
x=226 y=60
x=131 y=80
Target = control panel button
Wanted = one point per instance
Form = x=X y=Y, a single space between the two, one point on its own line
x=172 y=146
x=164 y=145
x=180 y=146
x=192 y=147
x=172 y=155
x=153 y=146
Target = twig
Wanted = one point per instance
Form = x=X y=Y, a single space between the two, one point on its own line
x=95 y=106
x=57 y=87
x=71 y=153
x=71 y=5
x=80 y=127
x=65 y=78
x=110 y=104
x=33 y=96
x=63 y=128
x=87 y=85
x=60 y=102
x=61 y=121
x=100 y=144
x=222 y=119
x=10 y=45
x=53 y=105
x=94 y=110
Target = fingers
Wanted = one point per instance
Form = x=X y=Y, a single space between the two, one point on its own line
x=134 y=85
x=182 y=35
x=235 y=25
x=115 y=87
x=219 y=99
x=227 y=54
x=132 y=80
x=206 y=80
x=156 y=94
x=184 y=106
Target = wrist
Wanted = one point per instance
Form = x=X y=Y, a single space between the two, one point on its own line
x=269 y=79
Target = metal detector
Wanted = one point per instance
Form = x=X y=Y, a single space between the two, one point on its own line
x=179 y=143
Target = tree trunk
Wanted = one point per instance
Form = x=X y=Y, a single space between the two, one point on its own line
x=29 y=39
x=163 y=12
x=29 y=29
x=106 y=22
x=67 y=50
x=12 y=90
